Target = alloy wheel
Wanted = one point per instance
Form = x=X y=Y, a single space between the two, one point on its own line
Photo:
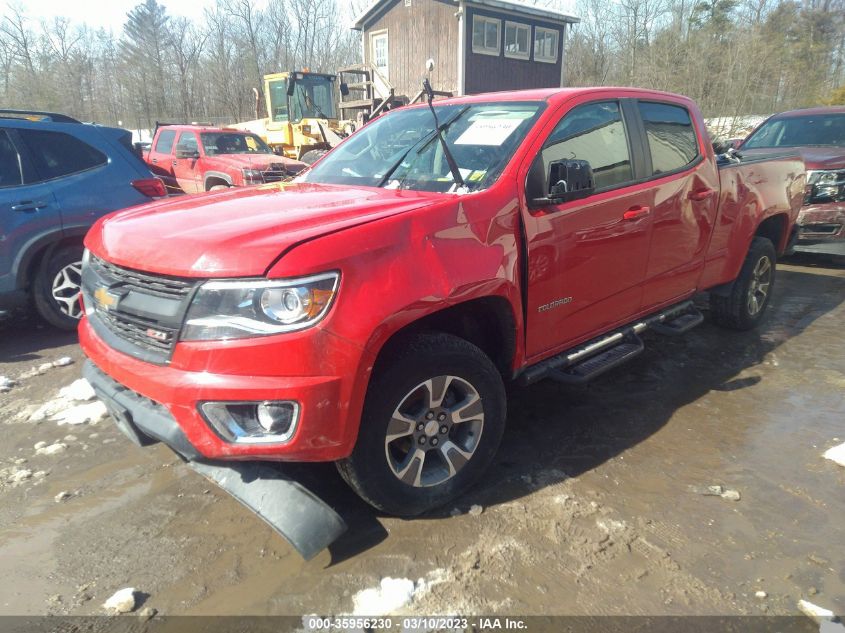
x=434 y=431
x=66 y=289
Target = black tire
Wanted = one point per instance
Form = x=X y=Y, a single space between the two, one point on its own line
x=312 y=156
x=455 y=364
x=63 y=315
x=736 y=310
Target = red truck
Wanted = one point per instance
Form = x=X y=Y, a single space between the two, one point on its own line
x=371 y=311
x=193 y=158
x=818 y=134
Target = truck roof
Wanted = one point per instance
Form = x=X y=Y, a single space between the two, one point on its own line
x=557 y=95
x=810 y=112
x=199 y=127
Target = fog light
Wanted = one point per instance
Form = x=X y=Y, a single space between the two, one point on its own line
x=267 y=422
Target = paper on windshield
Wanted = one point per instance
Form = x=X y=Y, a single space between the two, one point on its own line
x=492 y=132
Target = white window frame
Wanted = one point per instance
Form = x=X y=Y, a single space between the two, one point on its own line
x=517 y=26
x=375 y=35
x=483 y=50
x=546 y=59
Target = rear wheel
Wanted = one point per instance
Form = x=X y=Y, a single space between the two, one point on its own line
x=57 y=288
x=432 y=422
x=746 y=304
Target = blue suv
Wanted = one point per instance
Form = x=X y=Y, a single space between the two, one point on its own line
x=57 y=177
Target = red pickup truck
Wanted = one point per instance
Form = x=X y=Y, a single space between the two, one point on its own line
x=371 y=311
x=192 y=158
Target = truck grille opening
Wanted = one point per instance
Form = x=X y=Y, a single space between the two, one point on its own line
x=159 y=285
x=137 y=313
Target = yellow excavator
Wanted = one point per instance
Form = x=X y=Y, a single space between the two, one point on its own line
x=302 y=115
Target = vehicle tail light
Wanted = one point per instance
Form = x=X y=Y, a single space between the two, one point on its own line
x=150 y=187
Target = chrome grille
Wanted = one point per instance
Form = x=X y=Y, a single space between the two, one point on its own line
x=159 y=285
x=135 y=330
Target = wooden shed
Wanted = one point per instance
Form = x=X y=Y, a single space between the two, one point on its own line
x=476 y=45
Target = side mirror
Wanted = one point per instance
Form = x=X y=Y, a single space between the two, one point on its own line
x=187 y=153
x=344 y=88
x=720 y=147
x=291 y=86
x=569 y=179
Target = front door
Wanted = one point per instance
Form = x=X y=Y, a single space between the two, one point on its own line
x=186 y=163
x=587 y=258
x=379 y=58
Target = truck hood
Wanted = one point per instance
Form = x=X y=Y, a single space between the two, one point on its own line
x=239 y=232
x=256 y=161
x=814 y=157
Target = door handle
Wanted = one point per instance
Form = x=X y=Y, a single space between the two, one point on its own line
x=154 y=160
x=699 y=195
x=29 y=205
x=173 y=163
x=635 y=213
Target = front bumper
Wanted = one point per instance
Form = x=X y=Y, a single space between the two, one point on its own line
x=281 y=501
x=821 y=228
x=152 y=393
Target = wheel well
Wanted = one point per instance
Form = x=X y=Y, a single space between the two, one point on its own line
x=487 y=323
x=773 y=228
x=31 y=262
x=211 y=181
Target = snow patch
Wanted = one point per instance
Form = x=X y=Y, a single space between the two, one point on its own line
x=123 y=601
x=79 y=391
x=836 y=454
x=394 y=593
x=90 y=413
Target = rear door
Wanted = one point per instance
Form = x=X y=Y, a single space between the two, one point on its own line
x=684 y=187
x=186 y=164
x=160 y=158
x=28 y=208
x=587 y=258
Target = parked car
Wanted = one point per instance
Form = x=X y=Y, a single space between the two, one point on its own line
x=819 y=135
x=191 y=159
x=57 y=176
x=371 y=313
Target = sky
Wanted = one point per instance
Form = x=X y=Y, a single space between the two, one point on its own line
x=109 y=14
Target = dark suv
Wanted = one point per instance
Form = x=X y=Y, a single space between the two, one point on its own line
x=57 y=177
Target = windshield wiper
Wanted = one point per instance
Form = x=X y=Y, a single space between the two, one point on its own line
x=453 y=166
x=424 y=141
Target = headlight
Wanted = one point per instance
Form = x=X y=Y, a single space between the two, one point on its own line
x=246 y=308
x=825 y=186
x=253 y=176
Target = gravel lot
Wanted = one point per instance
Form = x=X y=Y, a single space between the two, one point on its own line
x=597 y=503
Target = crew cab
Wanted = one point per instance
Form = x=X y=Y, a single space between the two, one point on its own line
x=818 y=134
x=192 y=158
x=370 y=312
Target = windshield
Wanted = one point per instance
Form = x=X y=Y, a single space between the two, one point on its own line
x=824 y=130
x=216 y=143
x=400 y=149
x=313 y=98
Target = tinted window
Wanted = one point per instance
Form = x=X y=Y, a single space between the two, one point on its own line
x=165 y=141
x=595 y=133
x=187 y=142
x=10 y=166
x=671 y=137
x=57 y=154
x=797 y=131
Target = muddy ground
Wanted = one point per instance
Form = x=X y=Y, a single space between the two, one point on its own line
x=593 y=506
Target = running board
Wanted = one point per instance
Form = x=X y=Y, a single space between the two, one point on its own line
x=681 y=324
x=593 y=358
x=587 y=369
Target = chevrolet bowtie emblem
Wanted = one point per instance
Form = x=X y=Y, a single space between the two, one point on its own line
x=104 y=299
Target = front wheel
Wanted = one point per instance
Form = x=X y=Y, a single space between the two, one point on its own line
x=57 y=287
x=744 y=306
x=432 y=422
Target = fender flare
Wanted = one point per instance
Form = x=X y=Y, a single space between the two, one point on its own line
x=49 y=239
x=215 y=174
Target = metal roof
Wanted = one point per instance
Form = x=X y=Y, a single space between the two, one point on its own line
x=501 y=5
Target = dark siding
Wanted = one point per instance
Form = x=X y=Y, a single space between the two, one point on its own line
x=428 y=29
x=487 y=73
